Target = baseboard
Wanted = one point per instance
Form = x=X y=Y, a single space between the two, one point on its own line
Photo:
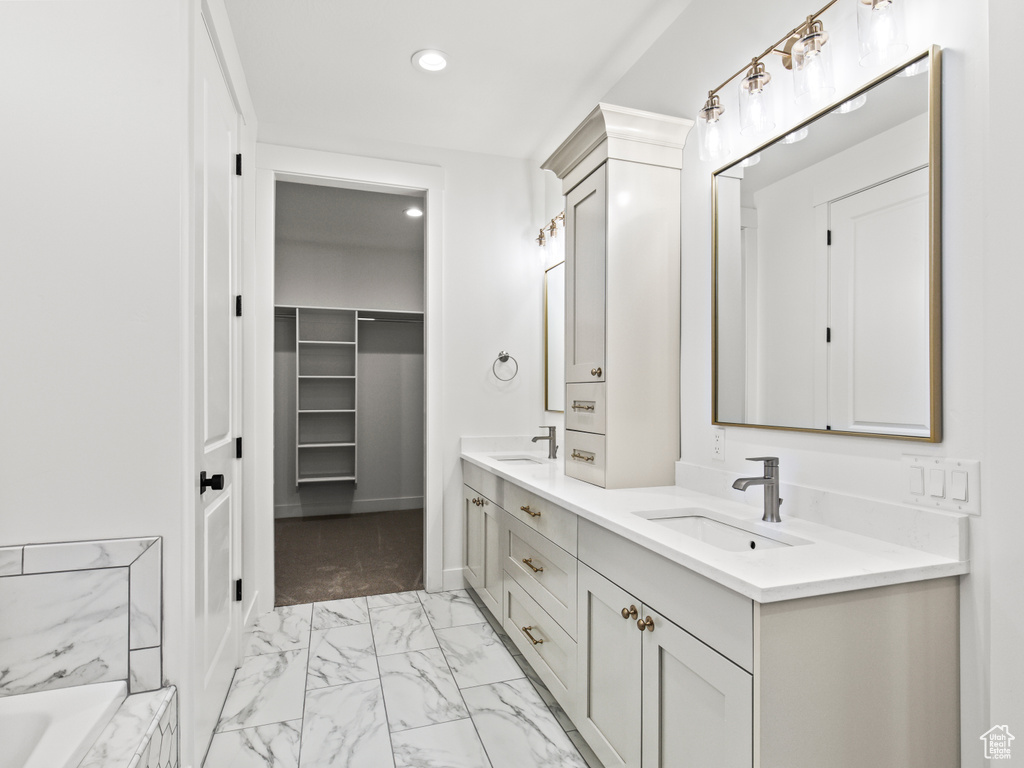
x=359 y=507
x=452 y=578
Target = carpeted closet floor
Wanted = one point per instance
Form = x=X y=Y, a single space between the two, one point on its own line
x=329 y=558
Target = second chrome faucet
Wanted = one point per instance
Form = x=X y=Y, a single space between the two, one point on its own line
x=770 y=481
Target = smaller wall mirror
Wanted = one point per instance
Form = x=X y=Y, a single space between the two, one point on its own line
x=827 y=269
x=554 y=338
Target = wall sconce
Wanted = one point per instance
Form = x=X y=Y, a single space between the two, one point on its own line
x=806 y=52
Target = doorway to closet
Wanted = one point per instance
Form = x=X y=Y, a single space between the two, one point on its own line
x=348 y=393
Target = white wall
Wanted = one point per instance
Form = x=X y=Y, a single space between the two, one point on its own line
x=92 y=297
x=982 y=273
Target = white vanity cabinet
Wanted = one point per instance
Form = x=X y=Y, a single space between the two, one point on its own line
x=620 y=171
x=481 y=533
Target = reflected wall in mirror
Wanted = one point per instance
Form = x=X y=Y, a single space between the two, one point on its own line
x=827 y=269
x=554 y=338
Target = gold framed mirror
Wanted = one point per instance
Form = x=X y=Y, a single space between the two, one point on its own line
x=827 y=268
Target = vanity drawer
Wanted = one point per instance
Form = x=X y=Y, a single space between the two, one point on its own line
x=551 y=652
x=482 y=482
x=584 y=407
x=547 y=572
x=585 y=456
x=553 y=521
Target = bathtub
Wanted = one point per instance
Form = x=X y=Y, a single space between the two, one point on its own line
x=55 y=729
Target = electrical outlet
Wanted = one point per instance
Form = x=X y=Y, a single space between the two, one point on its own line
x=718 y=443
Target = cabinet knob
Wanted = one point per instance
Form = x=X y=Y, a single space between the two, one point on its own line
x=530 y=512
x=535 y=568
x=629 y=613
x=526 y=631
x=646 y=623
x=595 y=371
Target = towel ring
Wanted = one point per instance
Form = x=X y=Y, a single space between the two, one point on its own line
x=504 y=357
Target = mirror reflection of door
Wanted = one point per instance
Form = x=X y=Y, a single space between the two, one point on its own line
x=878 y=355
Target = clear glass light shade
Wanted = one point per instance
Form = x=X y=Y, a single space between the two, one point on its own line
x=712 y=137
x=757 y=106
x=881 y=30
x=795 y=136
x=813 y=84
x=852 y=105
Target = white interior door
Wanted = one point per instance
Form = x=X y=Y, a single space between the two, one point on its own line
x=217 y=362
x=879 y=356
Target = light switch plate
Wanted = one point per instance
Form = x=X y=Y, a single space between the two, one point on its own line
x=955 y=477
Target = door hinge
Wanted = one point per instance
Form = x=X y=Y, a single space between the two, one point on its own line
x=828 y=335
x=238 y=165
x=238 y=447
x=238 y=306
x=238 y=590
x=829 y=238
x=828 y=427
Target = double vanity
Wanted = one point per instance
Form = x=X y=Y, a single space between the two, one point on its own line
x=677 y=628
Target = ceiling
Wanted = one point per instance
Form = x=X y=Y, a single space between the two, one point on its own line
x=517 y=70
x=347 y=218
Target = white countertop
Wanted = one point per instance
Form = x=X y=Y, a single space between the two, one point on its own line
x=834 y=560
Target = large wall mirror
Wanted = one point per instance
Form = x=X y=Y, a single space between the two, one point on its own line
x=827 y=278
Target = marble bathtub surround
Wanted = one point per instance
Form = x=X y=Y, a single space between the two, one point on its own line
x=73 y=613
x=411 y=711
x=142 y=734
x=10 y=561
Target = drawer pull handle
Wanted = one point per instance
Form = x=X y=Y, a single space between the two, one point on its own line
x=582 y=457
x=629 y=613
x=529 y=511
x=595 y=371
x=578 y=406
x=536 y=568
x=526 y=631
x=647 y=623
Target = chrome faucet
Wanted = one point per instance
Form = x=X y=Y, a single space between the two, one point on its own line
x=770 y=481
x=550 y=437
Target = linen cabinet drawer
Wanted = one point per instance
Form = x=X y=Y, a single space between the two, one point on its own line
x=585 y=408
x=585 y=457
x=551 y=520
x=545 y=645
x=545 y=571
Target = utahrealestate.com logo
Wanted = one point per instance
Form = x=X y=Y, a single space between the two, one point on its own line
x=997 y=742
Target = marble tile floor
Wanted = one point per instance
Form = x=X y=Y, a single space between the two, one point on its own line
x=403 y=680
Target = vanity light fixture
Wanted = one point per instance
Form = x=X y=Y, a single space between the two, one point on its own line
x=853 y=104
x=795 y=136
x=807 y=53
x=430 y=60
x=881 y=31
x=414 y=213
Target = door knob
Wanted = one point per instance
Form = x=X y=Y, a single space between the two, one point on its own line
x=214 y=481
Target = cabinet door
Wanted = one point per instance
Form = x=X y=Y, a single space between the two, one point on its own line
x=493 y=588
x=608 y=679
x=474 y=535
x=585 y=250
x=697 y=705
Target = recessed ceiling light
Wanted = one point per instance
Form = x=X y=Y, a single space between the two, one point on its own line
x=430 y=60
x=413 y=212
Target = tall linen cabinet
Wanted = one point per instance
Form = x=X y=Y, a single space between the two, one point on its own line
x=620 y=172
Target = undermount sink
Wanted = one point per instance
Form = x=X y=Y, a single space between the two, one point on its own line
x=518 y=460
x=701 y=524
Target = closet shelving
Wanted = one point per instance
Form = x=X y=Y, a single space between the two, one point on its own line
x=326 y=388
